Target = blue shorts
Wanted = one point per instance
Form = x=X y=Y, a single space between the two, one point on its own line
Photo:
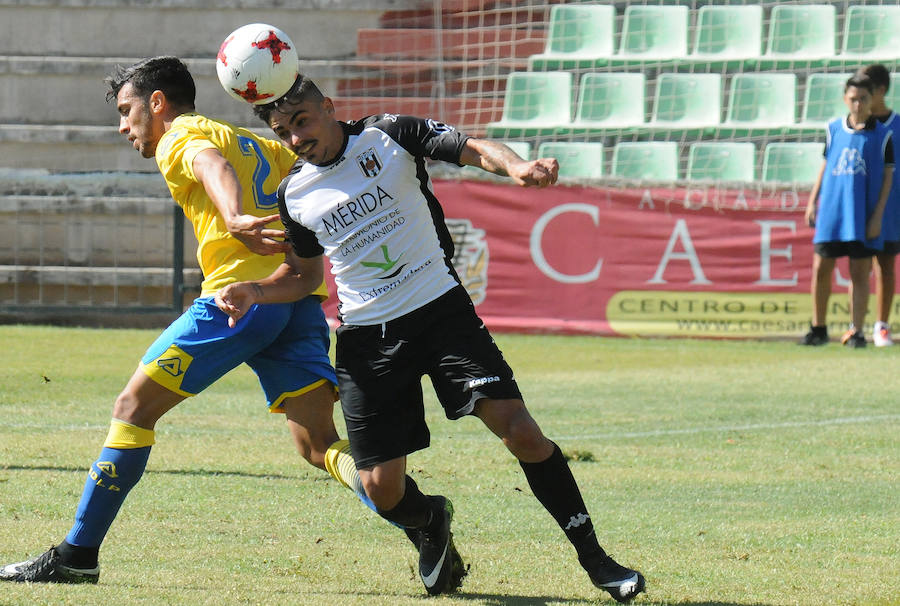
x=286 y=345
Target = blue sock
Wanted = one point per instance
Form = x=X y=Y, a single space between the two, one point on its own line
x=111 y=477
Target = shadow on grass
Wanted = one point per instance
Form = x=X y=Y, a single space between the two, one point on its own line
x=512 y=600
x=174 y=472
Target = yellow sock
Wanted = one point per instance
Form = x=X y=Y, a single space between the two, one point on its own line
x=340 y=464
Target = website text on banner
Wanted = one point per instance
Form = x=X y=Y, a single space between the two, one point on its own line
x=694 y=261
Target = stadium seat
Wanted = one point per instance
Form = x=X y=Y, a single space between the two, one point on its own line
x=610 y=100
x=728 y=32
x=654 y=32
x=687 y=100
x=577 y=35
x=651 y=160
x=762 y=100
x=823 y=100
x=534 y=103
x=721 y=161
x=871 y=33
x=579 y=160
x=798 y=32
x=792 y=162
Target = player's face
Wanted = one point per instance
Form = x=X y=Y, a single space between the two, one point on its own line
x=859 y=102
x=136 y=121
x=310 y=130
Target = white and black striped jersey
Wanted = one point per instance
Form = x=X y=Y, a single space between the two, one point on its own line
x=373 y=213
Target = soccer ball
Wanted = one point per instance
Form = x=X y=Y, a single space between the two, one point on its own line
x=257 y=63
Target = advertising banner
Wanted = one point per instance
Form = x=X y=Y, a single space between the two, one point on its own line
x=697 y=261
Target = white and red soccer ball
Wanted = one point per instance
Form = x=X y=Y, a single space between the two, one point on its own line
x=257 y=63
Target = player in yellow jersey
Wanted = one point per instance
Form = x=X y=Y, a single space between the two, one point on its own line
x=226 y=180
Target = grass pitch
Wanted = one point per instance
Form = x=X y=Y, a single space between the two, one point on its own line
x=730 y=473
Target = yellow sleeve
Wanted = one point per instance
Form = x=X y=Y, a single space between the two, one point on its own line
x=175 y=157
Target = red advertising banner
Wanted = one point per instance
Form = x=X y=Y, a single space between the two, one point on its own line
x=655 y=262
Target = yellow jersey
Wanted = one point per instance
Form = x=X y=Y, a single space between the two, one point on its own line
x=260 y=165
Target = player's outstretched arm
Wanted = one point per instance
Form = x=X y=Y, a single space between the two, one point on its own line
x=499 y=159
x=294 y=279
x=220 y=181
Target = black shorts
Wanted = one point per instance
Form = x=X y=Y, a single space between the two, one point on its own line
x=890 y=248
x=380 y=369
x=853 y=249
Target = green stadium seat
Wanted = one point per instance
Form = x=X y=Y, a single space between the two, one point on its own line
x=577 y=36
x=792 y=162
x=803 y=31
x=651 y=160
x=762 y=100
x=824 y=99
x=687 y=100
x=654 y=32
x=728 y=32
x=610 y=100
x=577 y=160
x=721 y=161
x=871 y=33
x=534 y=103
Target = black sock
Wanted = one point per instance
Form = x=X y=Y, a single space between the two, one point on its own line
x=413 y=510
x=78 y=557
x=819 y=330
x=554 y=486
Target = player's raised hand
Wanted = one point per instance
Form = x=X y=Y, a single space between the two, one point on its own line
x=254 y=234
x=537 y=173
x=236 y=299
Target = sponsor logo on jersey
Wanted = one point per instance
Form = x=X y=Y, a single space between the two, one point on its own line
x=387 y=264
x=369 y=162
x=470 y=259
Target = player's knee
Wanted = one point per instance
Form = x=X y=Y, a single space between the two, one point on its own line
x=384 y=494
x=523 y=437
x=127 y=406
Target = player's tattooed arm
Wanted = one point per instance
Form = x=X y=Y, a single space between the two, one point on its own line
x=293 y=280
x=497 y=158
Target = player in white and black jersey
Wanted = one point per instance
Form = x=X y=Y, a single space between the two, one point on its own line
x=363 y=198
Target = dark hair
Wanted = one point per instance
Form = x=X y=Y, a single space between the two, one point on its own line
x=303 y=89
x=878 y=74
x=166 y=74
x=859 y=81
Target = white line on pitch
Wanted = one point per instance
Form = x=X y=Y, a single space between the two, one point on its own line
x=731 y=428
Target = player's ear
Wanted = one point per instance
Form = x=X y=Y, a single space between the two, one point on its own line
x=157 y=101
x=328 y=105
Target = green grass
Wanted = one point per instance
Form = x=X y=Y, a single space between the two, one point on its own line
x=730 y=473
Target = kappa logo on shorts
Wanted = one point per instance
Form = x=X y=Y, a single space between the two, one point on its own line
x=482 y=381
x=171 y=366
x=369 y=162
